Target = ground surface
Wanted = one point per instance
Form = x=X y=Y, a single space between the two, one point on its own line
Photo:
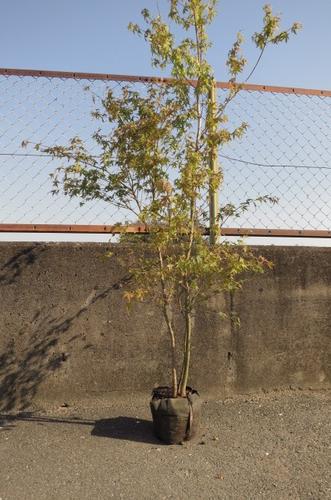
x=274 y=446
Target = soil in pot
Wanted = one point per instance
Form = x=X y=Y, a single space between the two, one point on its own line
x=175 y=419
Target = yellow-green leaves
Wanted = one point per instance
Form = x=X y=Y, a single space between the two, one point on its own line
x=187 y=12
x=296 y=27
x=186 y=58
x=236 y=61
x=271 y=30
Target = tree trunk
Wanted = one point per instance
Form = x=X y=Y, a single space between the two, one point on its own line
x=168 y=316
x=187 y=353
x=168 y=319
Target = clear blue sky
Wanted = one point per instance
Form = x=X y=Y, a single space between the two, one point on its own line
x=86 y=35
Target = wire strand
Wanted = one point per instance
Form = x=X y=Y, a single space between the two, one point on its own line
x=238 y=160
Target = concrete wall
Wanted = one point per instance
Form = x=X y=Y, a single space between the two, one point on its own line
x=65 y=330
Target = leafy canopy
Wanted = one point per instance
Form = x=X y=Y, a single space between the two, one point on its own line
x=157 y=157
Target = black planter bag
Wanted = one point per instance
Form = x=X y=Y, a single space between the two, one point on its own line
x=175 y=419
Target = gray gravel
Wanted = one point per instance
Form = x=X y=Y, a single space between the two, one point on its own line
x=271 y=446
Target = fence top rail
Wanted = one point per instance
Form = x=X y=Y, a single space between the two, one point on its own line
x=152 y=79
x=141 y=229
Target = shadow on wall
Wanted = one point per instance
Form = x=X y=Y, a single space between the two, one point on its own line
x=13 y=268
x=23 y=370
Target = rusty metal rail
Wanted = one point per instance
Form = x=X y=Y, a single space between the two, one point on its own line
x=135 y=228
x=153 y=79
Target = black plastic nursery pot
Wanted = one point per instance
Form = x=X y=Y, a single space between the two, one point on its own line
x=175 y=419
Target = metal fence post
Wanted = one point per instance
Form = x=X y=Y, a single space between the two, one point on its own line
x=214 y=170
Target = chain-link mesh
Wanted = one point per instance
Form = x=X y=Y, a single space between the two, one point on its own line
x=285 y=153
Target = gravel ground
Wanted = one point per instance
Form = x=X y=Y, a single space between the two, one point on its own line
x=271 y=446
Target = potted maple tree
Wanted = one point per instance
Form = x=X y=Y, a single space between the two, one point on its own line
x=159 y=161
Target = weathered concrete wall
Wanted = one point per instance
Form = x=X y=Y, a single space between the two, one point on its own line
x=66 y=332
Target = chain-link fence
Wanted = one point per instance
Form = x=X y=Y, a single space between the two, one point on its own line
x=286 y=152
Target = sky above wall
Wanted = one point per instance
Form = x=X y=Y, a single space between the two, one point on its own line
x=92 y=36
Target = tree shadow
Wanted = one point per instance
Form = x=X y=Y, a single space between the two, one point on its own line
x=123 y=428
x=27 y=360
x=126 y=429
x=9 y=419
x=13 y=267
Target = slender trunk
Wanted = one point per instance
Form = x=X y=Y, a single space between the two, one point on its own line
x=188 y=305
x=168 y=318
x=167 y=313
x=187 y=351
